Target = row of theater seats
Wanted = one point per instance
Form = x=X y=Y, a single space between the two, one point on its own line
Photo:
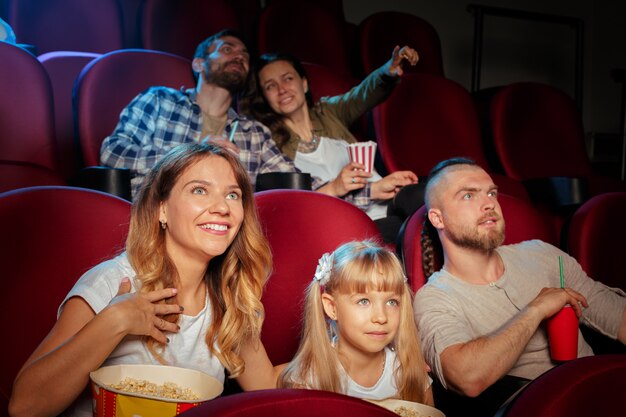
x=536 y=129
x=316 y=31
x=532 y=135
x=48 y=223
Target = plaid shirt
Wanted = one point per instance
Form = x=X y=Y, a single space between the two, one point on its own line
x=160 y=118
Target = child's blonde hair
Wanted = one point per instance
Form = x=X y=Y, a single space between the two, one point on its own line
x=355 y=267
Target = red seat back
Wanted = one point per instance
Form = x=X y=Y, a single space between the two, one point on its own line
x=538 y=132
x=51 y=236
x=287 y=403
x=595 y=238
x=178 y=27
x=68 y=25
x=300 y=226
x=15 y=175
x=523 y=222
x=590 y=386
x=306 y=30
x=427 y=119
x=380 y=32
x=110 y=82
x=63 y=68
x=26 y=109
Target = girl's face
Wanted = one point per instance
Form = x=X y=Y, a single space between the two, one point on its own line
x=204 y=211
x=366 y=322
x=283 y=88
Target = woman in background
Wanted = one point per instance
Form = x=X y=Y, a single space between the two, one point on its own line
x=316 y=135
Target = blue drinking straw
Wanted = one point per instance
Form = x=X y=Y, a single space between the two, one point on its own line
x=561 y=271
x=231 y=138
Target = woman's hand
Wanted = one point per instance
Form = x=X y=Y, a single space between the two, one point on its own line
x=352 y=177
x=389 y=186
x=398 y=56
x=143 y=313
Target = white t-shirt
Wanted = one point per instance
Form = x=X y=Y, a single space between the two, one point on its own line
x=186 y=349
x=327 y=161
x=385 y=387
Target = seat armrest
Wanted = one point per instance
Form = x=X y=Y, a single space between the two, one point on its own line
x=114 y=181
x=564 y=193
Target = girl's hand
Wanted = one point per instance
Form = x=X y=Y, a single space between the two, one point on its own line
x=398 y=56
x=143 y=314
x=352 y=177
x=389 y=186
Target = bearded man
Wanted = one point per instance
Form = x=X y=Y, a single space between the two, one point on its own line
x=480 y=317
x=161 y=118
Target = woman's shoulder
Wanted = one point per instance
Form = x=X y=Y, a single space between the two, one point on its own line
x=101 y=283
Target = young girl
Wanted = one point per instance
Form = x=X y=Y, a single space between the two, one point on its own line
x=360 y=337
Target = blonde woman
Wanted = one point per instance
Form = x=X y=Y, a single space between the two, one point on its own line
x=359 y=334
x=186 y=292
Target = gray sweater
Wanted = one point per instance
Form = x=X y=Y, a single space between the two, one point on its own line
x=450 y=311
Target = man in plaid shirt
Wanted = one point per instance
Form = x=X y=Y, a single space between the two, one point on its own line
x=160 y=118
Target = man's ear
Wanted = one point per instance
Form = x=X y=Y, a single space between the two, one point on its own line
x=196 y=64
x=436 y=218
x=329 y=306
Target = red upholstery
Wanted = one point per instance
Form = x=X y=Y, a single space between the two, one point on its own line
x=67 y=25
x=590 y=386
x=596 y=238
x=523 y=222
x=526 y=117
x=538 y=132
x=306 y=30
x=179 y=26
x=50 y=236
x=300 y=226
x=63 y=68
x=380 y=32
x=15 y=175
x=26 y=109
x=427 y=119
x=287 y=403
x=111 y=81
x=333 y=6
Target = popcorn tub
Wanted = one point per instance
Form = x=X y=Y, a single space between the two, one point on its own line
x=158 y=391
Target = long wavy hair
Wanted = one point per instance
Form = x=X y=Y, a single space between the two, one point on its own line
x=356 y=267
x=234 y=279
x=256 y=106
x=429 y=239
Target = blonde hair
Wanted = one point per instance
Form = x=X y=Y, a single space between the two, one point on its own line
x=234 y=279
x=356 y=267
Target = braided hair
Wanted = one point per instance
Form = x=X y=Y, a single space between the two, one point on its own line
x=431 y=245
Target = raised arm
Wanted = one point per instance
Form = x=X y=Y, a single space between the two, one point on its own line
x=373 y=89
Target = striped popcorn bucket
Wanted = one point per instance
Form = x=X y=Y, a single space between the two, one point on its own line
x=363 y=153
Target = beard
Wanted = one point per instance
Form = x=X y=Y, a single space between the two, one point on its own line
x=471 y=238
x=233 y=81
